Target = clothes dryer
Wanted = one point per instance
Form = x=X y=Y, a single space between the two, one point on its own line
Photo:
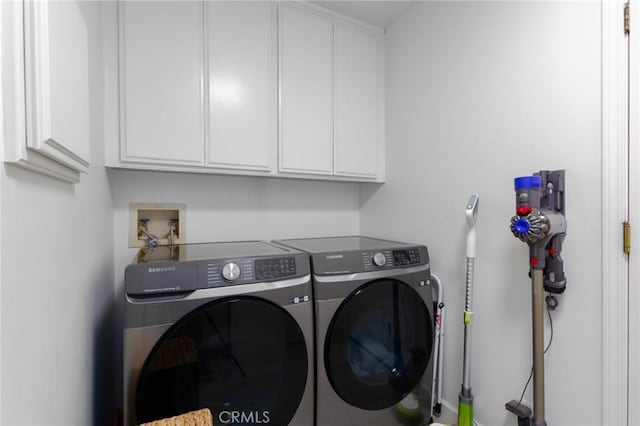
x=374 y=328
x=224 y=326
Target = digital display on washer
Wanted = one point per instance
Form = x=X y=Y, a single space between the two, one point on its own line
x=268 y=269
x=406 y=257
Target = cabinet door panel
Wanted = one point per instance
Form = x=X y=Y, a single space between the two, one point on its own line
x=306 y=101
x=242 y=84
x=162 y=114
x=57 y=76
x=356 y=102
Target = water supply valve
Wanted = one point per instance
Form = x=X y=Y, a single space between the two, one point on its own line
x=540 y=222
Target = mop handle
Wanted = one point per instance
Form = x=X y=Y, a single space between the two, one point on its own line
x=471 y=213
x=468 y=300
x=468 y=313
x=465 y=398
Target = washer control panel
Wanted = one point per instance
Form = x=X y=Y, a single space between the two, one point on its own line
x=230 y=272
x=377 y=260
x=211 y=265
x=268 y=269
x=234 y=272
x=406 y=257
x=387 y=259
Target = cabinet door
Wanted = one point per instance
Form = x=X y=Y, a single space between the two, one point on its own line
x=356 y=101
x=57 y=82
x=242 y=84
x=161 y=78
x=306 y=100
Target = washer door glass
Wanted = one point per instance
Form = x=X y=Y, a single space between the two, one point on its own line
x=378 y=344
x=243 y=358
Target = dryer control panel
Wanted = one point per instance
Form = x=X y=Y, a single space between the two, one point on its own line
x=349 y=262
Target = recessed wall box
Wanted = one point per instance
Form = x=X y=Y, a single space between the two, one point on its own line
x=156 y=224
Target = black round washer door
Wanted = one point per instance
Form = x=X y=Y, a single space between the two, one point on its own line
x=378 y=344
x=244 y=358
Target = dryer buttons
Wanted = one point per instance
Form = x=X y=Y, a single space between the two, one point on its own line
x=231 y=272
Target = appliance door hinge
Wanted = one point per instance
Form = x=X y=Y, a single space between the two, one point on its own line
x=626 y=237
x=626 y=18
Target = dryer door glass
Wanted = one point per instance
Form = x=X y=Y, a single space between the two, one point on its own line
x=378 y=344
x=243 y=358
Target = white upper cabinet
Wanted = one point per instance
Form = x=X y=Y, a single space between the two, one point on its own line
x=46 y=85
x=242 y=63
x=332 y=95
x=357 y=106
x=306 y=86
x=161 y=82
x=243 y=87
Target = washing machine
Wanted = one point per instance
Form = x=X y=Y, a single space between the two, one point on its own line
x=225 y=326
x=374 y=328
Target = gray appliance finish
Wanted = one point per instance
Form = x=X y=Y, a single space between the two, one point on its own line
x=374 y=330
x=228 y=326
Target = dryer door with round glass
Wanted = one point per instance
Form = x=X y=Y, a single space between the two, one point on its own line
x=244 y=358
x=378 y=344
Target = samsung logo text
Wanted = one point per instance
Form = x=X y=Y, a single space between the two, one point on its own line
x=334 y=256
x=162 y=269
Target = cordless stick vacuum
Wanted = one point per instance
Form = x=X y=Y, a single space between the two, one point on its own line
x=540 y=222
x=465 y=399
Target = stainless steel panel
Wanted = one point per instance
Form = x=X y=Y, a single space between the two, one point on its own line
x=147 y=319
x=331 y=409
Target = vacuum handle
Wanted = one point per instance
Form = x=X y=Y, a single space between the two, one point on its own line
x=471 y=244
x=471 y=213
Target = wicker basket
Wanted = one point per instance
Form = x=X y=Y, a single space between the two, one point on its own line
x=192 y=418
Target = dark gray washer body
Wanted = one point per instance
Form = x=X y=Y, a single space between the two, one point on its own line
x=340 y=266
x=162 y=287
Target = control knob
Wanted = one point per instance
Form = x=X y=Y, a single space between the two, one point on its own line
x=379 y=259
x=230 y=272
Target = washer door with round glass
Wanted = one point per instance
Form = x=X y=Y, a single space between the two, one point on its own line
x=378 y=344
x=244 y=358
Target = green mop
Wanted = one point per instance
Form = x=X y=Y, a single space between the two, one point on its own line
x=465 y=399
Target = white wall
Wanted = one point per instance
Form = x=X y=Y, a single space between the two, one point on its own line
x=57 y=285
x=235 y=208
x=477 y=94
x=232 y=208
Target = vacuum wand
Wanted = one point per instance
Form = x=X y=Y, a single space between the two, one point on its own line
x=465 y=399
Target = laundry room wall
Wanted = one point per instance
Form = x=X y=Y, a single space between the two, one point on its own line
x=233 y=208
x=57 y=311
x=477 y=94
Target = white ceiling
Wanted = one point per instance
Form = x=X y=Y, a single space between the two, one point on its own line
x=378 y=13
